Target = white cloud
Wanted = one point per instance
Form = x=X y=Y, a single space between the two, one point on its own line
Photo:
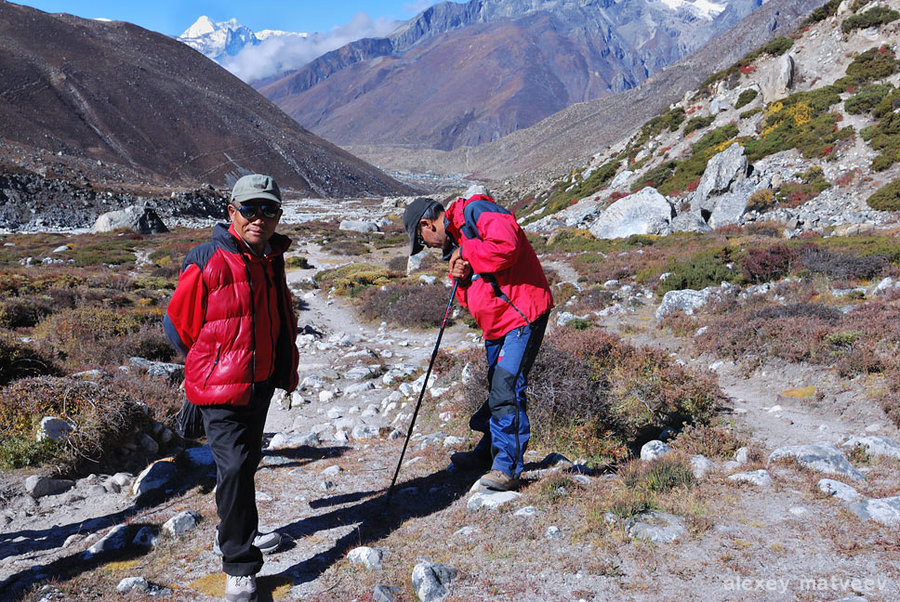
x=284 y=53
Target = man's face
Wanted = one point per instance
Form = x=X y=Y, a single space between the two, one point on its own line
x=432 y=233
x=252 y=222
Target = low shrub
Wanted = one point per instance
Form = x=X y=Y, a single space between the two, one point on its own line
x=766 y=265
x=104 y=419
x=710 y=440
x=886 y=198
x=745 y=98
x=18 y=360
x=867 y=98
x=655 y=476
x=873 y=64
x=793 y=194
x=706 y=268
x=697 y=123
x=594 y=395
x=297 y=262
x=761 y=200
x=827 y=10
x=23 y=312
x=93 y=337
x=878 y=15
x=353 y=278
x=405 y=303
x=840 y=265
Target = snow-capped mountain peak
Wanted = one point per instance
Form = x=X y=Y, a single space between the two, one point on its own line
x=706 y=9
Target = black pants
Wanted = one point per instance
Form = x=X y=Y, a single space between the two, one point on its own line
x=235 y=437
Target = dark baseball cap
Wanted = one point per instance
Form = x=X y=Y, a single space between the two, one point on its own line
x=412 y=216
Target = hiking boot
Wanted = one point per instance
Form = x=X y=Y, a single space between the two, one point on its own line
x=266 y=542
x=240 y=588
x=499 y=481
x=478 y=458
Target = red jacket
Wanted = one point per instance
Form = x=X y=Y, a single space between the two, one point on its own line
x=504 y=263
x=232 y=314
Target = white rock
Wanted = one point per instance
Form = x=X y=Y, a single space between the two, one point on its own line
x=760 y=478
x=839 y=490
x=654 y=449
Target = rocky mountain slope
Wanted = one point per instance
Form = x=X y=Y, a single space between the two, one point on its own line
x=798 y=132
x=466 y=74
x=109 y=100
x=567 y=139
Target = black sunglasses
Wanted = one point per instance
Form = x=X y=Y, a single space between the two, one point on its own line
x=267 y=210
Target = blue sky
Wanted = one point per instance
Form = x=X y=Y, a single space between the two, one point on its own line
x=172 y=17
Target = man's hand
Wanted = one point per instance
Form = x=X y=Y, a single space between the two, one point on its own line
x=459 y=267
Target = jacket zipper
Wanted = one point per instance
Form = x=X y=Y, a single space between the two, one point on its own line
x=215 y=363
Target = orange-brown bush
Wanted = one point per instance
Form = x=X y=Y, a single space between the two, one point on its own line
x=93 y=337
x=104 y=419
x=406 y=303
x=18 y=360
x=592 y=394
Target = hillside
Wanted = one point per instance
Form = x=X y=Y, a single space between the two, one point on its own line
x=112 y=101
x=568 y=139
x=467 y=74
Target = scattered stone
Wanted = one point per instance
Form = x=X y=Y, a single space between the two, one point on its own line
x=876 y=446
x=526 y=511
x=287 y=441
x=553 y=532
x=53 y=428
x=115 y=540
x=839 y=490
x=883 y=510
x=760 y=478
x=823 y=457
x=133 y=583
x=139 y=219
x=432 y=581
x=658 y=527
x=701 y=465
x=146 y=537
x=358 y=226
x=369 y=558
x=37 y=486
x=742 y=455
x=655 y=449
x=181 y=523
x=385 y=593
x=490 y=499
x=158 y=477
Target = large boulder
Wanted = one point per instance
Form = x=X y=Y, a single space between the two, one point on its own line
x=644 y=212
x=780 y=79
x=723 y=171
x=137 y=218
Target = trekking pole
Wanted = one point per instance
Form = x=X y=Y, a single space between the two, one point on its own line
x=412 y=423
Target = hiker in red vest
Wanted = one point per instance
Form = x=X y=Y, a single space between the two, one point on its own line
x=502 y=284
x=232 y=316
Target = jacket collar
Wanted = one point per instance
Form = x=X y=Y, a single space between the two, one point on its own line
x=225 y=238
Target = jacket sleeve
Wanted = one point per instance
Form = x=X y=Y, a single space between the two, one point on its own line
x=186 y=312
x=498 y=249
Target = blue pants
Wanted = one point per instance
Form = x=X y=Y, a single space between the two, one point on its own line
x=503 y=417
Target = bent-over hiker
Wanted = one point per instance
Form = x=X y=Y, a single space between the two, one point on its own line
x=232 y=316
x=502 y=284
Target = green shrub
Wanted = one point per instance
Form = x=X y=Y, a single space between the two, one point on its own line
x=709 y=267
x=297 y=262
x=886 y=198
x=655 y=476
x=746 y=97
x=871 y=65
x=867 y=99
x=800 y=121
x=697 y=123
x=750 y=113
x=885 y=135
x=668 y=121
x=353 y=278
x=878 y=15
x=829 y=9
